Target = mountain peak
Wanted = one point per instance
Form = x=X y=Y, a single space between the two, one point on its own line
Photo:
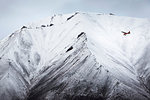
x=77 y=56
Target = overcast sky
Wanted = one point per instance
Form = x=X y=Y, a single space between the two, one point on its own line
x=15 y=13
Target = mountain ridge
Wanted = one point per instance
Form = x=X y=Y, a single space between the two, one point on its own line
x=77 y=56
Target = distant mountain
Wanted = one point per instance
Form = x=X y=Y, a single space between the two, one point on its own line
x=77 y=56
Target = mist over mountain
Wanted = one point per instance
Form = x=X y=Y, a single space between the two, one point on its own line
x=79 y=56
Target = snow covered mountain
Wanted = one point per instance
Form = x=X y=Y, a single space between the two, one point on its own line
x=77 y=56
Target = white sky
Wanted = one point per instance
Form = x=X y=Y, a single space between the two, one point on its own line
x=15 y=13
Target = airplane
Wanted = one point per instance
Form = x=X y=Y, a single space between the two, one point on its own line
x=125 y=33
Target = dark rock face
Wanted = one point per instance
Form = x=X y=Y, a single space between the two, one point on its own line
x=71 y=16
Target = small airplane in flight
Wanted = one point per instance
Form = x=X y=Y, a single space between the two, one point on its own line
x=125 y=33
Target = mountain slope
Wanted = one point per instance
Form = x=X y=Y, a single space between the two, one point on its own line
x=77 y=56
